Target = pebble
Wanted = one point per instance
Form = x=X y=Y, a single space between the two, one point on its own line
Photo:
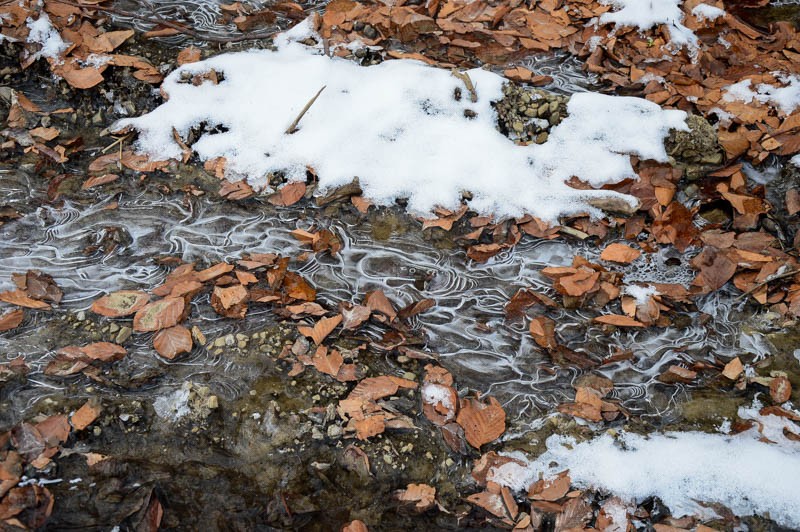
x=410 y=376
x=113 y=328
x=230 y=340
x=316 y=434
x=123 y=334
x=334 y=431
x=219 y=342
x=80 y=316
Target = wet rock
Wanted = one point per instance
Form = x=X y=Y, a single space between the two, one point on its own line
x=696 y=151
x=526 y=115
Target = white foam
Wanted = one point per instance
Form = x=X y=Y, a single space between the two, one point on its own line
x=398 y=128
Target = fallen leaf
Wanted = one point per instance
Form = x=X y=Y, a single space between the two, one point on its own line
x=543 y=330
x=99 y=180
x=102 y=351
x=86 y=414
x=677 y=374
x=321 y=329
x=377 y=301
x=482 y=422
x=618 y=320
x=325 y=363
x=550 y=489
x=355 y=526
x=289 y=194
x=190 y=54
x=422 y=495
x=159 y=314
x=11 y=319
x=121 y=303
x=21 y=299
x=780 y=389
x=620 y=253
x=354 y=316
x=173 y=341
x=733 y=369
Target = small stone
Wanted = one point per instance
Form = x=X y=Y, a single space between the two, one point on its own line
x=80 y=316
x=219 y=342
x=410 y=376
x=229 y=340
x=334 y=431
x=123 y=334
x=241 y=337
x=242 y=344
x=449 y=462
x=530 y=112
x=316 y=434
x=212 y=402
x=113 y=328
x=97 y=431
x=402 y=359
x=198 y=335
x=518 y=126
x=541 y=138
x=388 y=458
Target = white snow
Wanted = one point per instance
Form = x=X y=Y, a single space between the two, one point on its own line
x=795 y=161
x=434 y=394
x=398 y=128
x=786 y=98
x=707 y=12
x=645 y=14
x=682 y=468
x=42 y=32
x=641 y=294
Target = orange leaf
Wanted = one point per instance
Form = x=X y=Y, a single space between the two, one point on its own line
x=121 y=303
x=21 y=299
x=321 y=329
x=86 y=414
x=159 y=314
x=289 y=194
x=422 y=495
x=733 y=369
x=619 y=321
x=482 y=422
x=171 y=342
x=543 y=330
x=328 y=364
x=620 y=253
x=11 y=319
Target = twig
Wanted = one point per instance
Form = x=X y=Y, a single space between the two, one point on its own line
x=463 y=76
x=293 y=128
x=120 y=141
x=767 y=281
x=169 y=24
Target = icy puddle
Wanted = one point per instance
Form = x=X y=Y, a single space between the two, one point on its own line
x=467 y=327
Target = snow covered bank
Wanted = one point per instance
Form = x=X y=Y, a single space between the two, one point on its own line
x=746 y=475
x=786 y=98
x=646 y=14
x=398 y=127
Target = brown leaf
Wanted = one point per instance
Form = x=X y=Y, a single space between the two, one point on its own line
x=54 y=430
x=491 y=502
x=543 y=330
x=733 y=369
x=482 y=422
x=620 y=253
x=354 y=316
x=99 y=180
x=369 y=427
x=298 y=288
x=321 y=329
x=422 y=495
x=551 y=489
x=325 y=363
x=213 y=272
x=416 y=308
x=159 y=314
x=21 y=299
x=289 y=194
x=793 y=200
x=230 y=296
x=355 y=526
x=190 y=54
x=43 y=287
x=374 y=388
x=102 y=351
x=677 y=374
x=121 y=303
x=173 y=341
x=780 y=389
x=439 y=402
x=86 y=414
x=617 y=320
x=377 y=301
x=11 y=319
x=575 y=515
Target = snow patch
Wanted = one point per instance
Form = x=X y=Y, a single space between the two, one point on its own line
x=42 y=32
x=786 y=98
x=646 y=14
x=175 y=405
x=398 y=127
x=641 y=294
x=746 y=475
x=707 y=12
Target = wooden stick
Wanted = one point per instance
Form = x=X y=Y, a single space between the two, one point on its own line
x=767 y=281
x=293 y=128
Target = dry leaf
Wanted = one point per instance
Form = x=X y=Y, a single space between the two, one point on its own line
x=21 y=299
x=121 y=303
x=780 y=389
x=617 y=320
x=86 y=414
x=321 y=329
x=173 y=341
x=482 y=422
x=620 y=253
x=11 y=319
x=159 y=314
x=733 y=369
x=325 y=363
x=422 y=495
